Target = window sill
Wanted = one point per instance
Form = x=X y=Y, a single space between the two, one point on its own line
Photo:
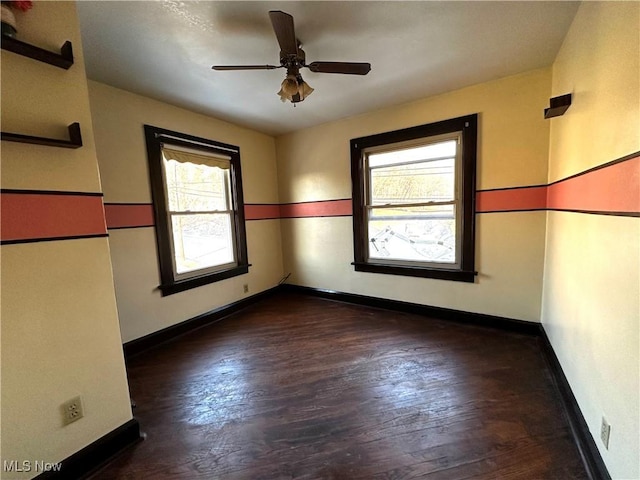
x=439 y=273
x=189 y=283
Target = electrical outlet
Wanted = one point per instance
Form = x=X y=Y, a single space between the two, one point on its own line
x=245 y=288
x=605 y=432
x=72 y=410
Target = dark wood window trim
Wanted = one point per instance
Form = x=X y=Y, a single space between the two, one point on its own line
x=155 y=137
x=468 y=125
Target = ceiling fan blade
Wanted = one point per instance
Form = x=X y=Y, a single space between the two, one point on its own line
x=349 y=68
x=245 y=67
x=283 y=27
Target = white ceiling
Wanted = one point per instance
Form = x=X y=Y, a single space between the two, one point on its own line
x=165 y=50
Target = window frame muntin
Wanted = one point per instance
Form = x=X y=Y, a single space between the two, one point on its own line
x=154 y=137
x=468 y=125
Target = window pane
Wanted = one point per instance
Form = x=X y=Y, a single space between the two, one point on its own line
x=202 y=241
x=414 y=183
x=195 y=188
x=423 y=152
x=421 y=234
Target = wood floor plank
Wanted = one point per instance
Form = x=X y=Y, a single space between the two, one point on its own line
x=309 y=388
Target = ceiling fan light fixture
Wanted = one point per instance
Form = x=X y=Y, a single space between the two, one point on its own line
x=294 y=89
x=290 y=85
x=304 y=89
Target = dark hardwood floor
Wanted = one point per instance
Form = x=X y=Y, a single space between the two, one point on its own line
x=308 y=388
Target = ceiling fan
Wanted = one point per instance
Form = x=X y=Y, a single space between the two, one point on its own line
x=292 y=57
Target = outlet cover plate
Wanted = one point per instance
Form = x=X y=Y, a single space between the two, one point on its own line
x=72 y=410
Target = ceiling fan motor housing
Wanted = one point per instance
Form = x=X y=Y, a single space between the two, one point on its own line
x=290 y=60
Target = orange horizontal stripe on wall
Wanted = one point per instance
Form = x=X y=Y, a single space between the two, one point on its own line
x=128 y=215
x=261 y=212
x=512 y=199
x=329 y=208
x=141 y=215
x=36 y=216
x=614 y=188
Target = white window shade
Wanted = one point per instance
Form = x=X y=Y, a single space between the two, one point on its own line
x=196 y=157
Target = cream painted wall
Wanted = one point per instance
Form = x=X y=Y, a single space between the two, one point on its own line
x=41 y=100
x=599 y=63
x=314 y=164
x=59 y=324
x=118 y=119
x=591 y=300
x=60 y=339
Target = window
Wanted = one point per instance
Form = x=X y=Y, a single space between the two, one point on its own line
x=197 y=197
x=414 y=200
